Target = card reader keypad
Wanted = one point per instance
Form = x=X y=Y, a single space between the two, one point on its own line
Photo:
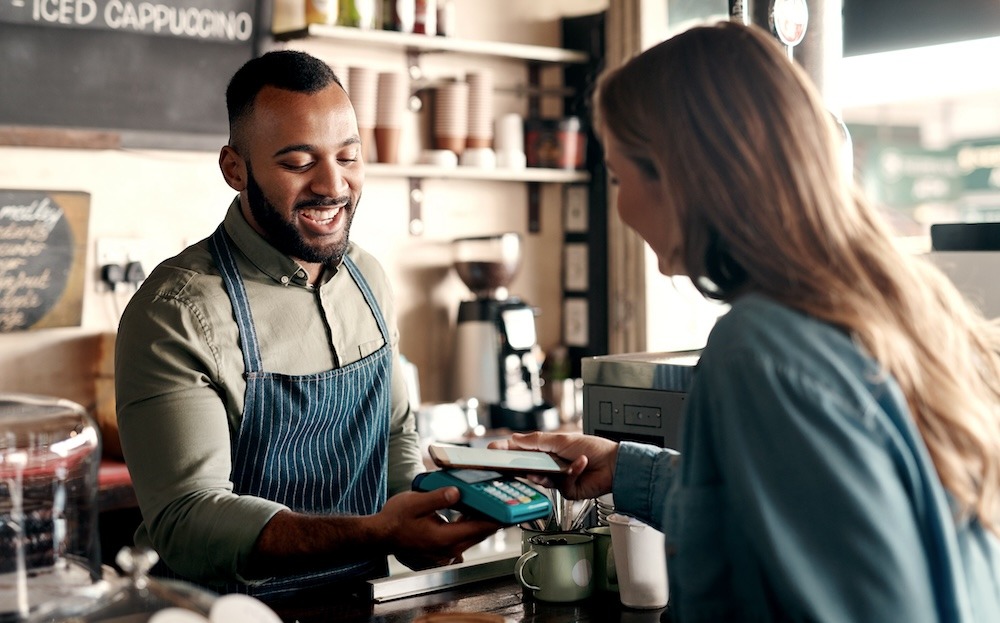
x=502 y=498
x=511 y=492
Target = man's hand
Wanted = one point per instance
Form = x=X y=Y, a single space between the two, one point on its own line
x=420 y=537
x=592 y=461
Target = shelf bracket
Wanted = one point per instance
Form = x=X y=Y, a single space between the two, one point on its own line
x=416 y=207
x=534 y=90
x=413 y=64
x=534 y=207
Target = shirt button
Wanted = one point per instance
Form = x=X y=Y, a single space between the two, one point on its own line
x=300 y=274
x=285 y=279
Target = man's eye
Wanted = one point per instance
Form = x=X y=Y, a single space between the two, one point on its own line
x=296 y=166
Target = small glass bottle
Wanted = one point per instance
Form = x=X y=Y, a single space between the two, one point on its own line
x=321 y=11
x=425 y=21
x=358 y=14
x=398 y=15
x=445 y=18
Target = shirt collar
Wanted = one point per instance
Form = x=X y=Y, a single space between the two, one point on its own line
x=265 y=257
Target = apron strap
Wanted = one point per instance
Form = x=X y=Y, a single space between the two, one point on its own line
x=223 y=255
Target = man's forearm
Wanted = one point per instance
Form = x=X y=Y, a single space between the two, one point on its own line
x=295 y=543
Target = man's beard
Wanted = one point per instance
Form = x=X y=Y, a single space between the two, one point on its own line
x=283 y=236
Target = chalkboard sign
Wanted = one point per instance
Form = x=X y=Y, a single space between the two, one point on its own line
x=106 y=68
x=43 y=241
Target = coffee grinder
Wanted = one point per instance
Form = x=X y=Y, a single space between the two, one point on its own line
x=495 y=358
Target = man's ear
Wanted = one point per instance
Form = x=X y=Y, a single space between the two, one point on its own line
x=234 y=168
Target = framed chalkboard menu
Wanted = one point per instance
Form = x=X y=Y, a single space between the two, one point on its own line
x=142 y=67
x=43 y=242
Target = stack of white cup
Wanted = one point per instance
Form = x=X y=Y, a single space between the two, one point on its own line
x=363 y=89
x=480 y=109
x=479 y=143
x=392 y=95
x=451 y=116
x=510 y=142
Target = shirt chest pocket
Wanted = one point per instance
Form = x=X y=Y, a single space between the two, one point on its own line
x=370 y=347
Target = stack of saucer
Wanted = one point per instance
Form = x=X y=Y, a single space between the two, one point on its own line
x=451 y=116
x=605 y=508
x=480 y=109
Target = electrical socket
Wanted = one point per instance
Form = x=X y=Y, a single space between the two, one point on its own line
x=575 y=322
x=575 y=275
x=119 y=252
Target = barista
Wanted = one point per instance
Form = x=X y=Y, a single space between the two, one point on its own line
x=262 y=408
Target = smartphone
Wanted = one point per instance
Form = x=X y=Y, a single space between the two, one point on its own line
x=505 y=461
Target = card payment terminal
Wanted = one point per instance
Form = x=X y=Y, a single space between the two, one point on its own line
x=502 y=498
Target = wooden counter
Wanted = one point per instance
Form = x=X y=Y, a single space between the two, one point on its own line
x=500 y=596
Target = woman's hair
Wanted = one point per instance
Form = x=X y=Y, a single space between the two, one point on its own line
x=752 y=162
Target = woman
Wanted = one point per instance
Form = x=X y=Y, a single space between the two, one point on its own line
x=841 y=445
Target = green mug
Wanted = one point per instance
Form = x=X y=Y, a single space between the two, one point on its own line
x=559 y=566
x=526 y=535
x=605 y=578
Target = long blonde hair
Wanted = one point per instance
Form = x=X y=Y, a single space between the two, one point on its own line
x=752 y=162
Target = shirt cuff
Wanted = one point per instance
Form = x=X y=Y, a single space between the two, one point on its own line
x=256 y=514
x=636 y=489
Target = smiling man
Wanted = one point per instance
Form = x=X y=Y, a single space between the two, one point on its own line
x=264 y=423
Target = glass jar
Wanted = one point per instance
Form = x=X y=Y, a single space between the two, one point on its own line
x=135 y=598
x=50 y=453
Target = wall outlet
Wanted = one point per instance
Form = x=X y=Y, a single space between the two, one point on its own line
x=576 y=217
x=575 y=275
x=113 y=255
x=576 y=326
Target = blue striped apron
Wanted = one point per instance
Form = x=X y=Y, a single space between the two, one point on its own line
x=317 y=443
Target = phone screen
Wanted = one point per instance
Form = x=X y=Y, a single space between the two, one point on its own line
x=505 y=460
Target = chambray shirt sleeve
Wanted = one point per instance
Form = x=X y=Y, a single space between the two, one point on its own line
x=643 y=476
x=175 y=436
x=817 y=495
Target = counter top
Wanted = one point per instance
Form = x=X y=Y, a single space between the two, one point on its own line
x=499 y=596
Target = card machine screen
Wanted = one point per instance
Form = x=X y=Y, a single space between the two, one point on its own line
x=502 y=498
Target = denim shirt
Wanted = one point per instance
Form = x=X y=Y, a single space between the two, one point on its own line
x=805 y=492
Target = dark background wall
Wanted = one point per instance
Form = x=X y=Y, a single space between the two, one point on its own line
x=883 y=25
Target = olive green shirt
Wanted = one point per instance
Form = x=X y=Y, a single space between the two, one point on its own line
x=180 y=388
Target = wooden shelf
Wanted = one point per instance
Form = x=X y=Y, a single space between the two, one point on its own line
x=530 y=174
x=415 y=45
x=431 y=44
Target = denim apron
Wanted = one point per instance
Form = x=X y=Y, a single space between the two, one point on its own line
x=317 y=443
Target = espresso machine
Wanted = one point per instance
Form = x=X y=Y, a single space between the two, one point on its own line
x=496 y=360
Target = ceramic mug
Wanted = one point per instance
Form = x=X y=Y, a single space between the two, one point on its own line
x=559 y=566
x=605 y=577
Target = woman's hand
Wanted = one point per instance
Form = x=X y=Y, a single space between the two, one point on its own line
x=592 y=461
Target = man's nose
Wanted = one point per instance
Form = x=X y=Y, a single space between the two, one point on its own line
x=329 y=180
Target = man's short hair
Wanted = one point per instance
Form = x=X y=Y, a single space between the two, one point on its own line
x=291 y=70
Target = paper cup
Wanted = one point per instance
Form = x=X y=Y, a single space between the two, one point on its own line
x=640 y=562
